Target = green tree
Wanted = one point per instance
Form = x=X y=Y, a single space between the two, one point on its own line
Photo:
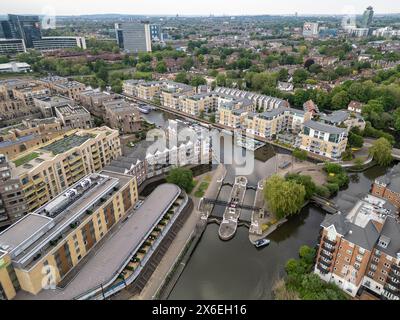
x=197 y=81
x=396 y=118
x=340 y=100
x=182 y=78
x=300 y=154
x=305 y=181
x=161 y=67
x=381 y=151
x=356 y=140
x=182 y=177
x=300 y=76
x=283 y=197
x=188 y=63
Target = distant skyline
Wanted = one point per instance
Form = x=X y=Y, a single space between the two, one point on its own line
x=204 y=7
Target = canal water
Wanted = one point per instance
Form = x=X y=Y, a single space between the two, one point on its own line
x=236 y=269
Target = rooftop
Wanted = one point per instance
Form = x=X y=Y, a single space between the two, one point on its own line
x=319 y=126
x=63 y=211
x=67 y=143
x=391 y=179
x=104 y=266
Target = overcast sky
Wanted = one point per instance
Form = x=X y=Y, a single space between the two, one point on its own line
x=197 y=7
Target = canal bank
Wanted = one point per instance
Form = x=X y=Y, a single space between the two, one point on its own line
x=252 y=272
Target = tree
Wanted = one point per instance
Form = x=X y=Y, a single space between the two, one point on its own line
x=299 y=76
x=355 y=140
x=161 y=67
x=182 y=177
x=188 y=63
x=300 y=154
x=197 y=81
x=381 y=151
x=182 y=78
x=358 y=163
x=284 y=198
x=340 y=100
x=306 y=181
x=396 y=118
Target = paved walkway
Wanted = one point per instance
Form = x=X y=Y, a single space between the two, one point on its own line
x=174 y=250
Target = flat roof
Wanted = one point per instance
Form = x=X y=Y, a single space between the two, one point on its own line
x=67 y=143
x=324 y=127
x=111 y=256
x=22 y=230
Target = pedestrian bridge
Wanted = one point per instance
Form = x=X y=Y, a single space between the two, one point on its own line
x=326 y=204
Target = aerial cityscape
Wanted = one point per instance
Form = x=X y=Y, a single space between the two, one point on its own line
x=200 y=153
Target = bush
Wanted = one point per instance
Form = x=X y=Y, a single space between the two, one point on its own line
x=333 y=188
x=322 y=191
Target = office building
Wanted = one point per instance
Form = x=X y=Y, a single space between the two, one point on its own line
x=12 y=46
x=26 y=28
x=52 y=167
x=360 y=250
x=310 y=29
x=134 y=37
x=367 y=17
x=156 y=32
x=57 y=43
x=15 y=67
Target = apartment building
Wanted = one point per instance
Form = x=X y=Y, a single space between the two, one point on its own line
x=29 y=91
x=322 y=139
x=93 y=101
x=121 y=115
x=260 y=101
x=232 y=117
x=46 y=171
x=55 y=238
x=148 y=160
x=73 y=117
x=388 y=186
x=361 y=250
x=270 y=123
x=12 y=202
x=29 y=134
x=48 y=104
x=70 y=89
x=344 y=118
x=152 y=89
x=198 y=103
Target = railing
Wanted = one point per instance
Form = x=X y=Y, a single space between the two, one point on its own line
x=95 y=292
x=330 y=249
x=328 y=264
x=330 y=242
x=326 y=256
x=324 y=271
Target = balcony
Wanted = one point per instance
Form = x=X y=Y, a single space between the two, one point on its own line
x=325 y=263
x=324 y=271
x=330 y=249
x=396 y=268
x=332 y=243
x=395 y=292
x=394 y=274
x=392 y=282
x=326 y=256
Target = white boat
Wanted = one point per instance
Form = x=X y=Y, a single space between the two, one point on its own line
x=144 y=109
x=261 y=243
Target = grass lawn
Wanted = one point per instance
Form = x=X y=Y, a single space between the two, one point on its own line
x=25 y=159
x=201 y=189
